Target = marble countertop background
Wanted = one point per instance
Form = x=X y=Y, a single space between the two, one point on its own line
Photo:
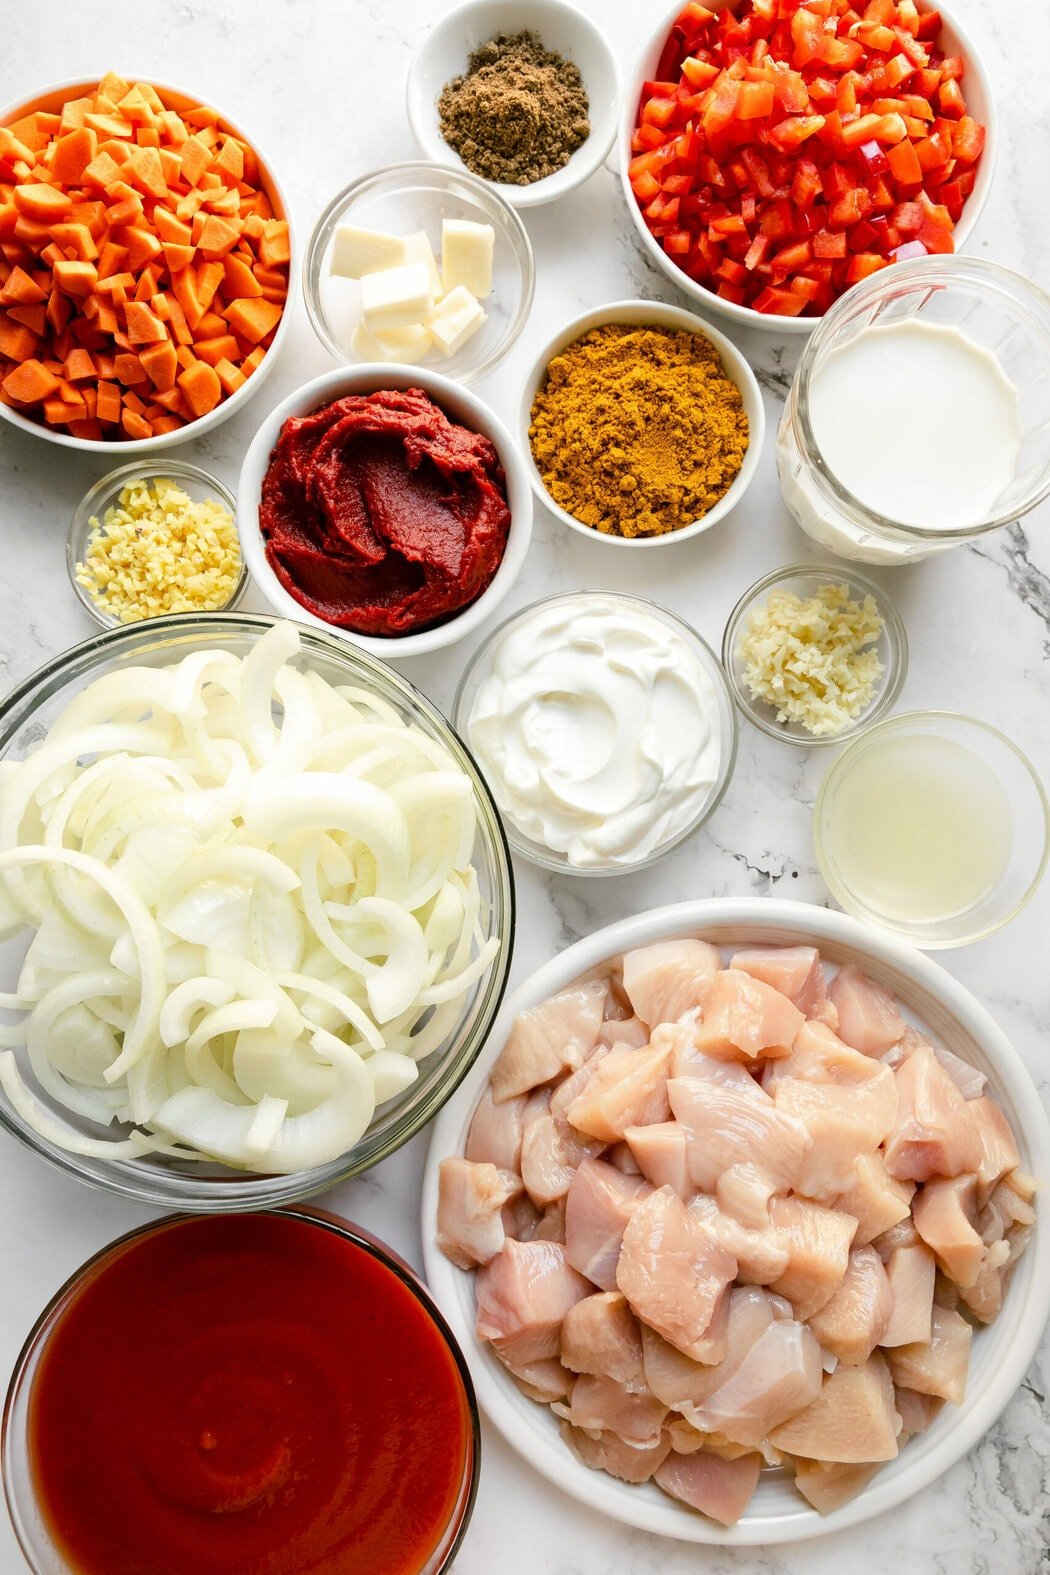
x=319 y=84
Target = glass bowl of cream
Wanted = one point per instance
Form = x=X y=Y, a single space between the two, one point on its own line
x=605 y=728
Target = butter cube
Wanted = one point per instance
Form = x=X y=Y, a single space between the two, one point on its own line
x=466 y=256
x=418 y=249
x=406 y=345
x=456 y=316
x=357 y=252
x=397 y=297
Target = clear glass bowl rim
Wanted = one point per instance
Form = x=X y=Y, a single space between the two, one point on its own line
x=543 y=857
x=317 y=246
x=226 y=1194
x=895 y=632
x=94 y=500
x=843 y=894
x=357 y=1236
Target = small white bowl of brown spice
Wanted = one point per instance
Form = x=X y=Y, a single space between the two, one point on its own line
x=524 y=96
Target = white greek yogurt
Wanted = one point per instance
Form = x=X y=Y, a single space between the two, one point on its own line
x=599 y=730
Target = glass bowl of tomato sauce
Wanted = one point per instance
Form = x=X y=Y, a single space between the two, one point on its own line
x=270 y=1391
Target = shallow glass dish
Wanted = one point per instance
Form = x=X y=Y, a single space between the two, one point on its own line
x=805 y=580
x=104 y=495
x=1029 y=830
x=41 y=1553
x=25 y=717
x=402 y=199
x=480 y=666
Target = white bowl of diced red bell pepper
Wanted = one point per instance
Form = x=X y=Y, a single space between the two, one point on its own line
x=776 y=152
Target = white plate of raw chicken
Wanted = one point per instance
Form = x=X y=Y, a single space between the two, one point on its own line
x=941 y=1010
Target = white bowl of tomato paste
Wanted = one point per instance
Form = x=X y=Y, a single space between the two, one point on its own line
x=386 y=504
x=765 y=200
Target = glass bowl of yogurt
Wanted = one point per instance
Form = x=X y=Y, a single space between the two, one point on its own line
x=919 y=417
x=605 y=728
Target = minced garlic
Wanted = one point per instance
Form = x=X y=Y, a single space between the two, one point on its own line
x=158 y=551
x=811 y=659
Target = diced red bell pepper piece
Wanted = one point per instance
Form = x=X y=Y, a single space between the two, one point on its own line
x=968 y=140
x=828 y=243
x=849 y=209
x=863 y=264
x=782 y=303
x=791 y=133
x=950 y=99
x=872 y=159
x=698 y=74
x=904 y=164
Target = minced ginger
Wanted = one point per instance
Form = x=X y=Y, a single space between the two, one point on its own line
x=812 y=660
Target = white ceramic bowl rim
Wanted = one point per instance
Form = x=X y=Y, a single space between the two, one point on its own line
x=449 y=395
x=1002 y=1352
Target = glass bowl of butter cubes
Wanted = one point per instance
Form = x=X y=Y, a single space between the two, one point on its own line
x=419 y=264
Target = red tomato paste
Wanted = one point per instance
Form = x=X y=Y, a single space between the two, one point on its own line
x=248 y=1395
x=381 y=515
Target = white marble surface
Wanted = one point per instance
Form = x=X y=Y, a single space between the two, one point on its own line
x=320 y=84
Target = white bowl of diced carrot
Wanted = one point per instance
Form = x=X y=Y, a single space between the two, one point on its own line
x=146 y=260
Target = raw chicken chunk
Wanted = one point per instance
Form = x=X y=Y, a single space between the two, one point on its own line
x=744 y=1191
x=937 y=1366
x=545 y=1381
x=628 y=1033
x=621 y=1156
x=945 y=1212
x=868 y=1015
x=819 y=1240
x=687 y=1060
x=842 y=1123
x=911 y=1272
x=854 y=1321
x=563 y=1095
x=599 y=1204
x=762 y=1256
x=828 y=1484
x=730 y=1126
x=796 y=972
x=719 y=1488
x=935 y=1133
x=779 y=1376
x=601 y=1405
x=546 y=1040
x=744 y=1019
x=677 y=1379
x=521 y=1217
x=662 y=1152
x=664 y=981
x=471 y=1198
x=618 y=1456
x=551 y=1153
x=984 y=1297
x=495 y=1132
x=672 y=1271
x=916 y=1411
x=523 y=1294
x=602 y=1335
x=628 y=1088
x=998 y=1147
x=876 y=1199
x=853 y=1421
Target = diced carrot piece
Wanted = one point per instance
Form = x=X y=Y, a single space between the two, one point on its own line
x=173 y=401
x=127 y=211
x=72 y=154
x=170 y=311
x=134 y=403
x=163 y=424
x=30 y=133
x=135 y=426
x=33 y=317
x=253 y=318
x=161 y=364
x=103 y=171
x=147 y=173
x=76 y=238
x=57 y=412
x=211 y=326
x=174 y=128
x=272 y=277
x=253 y=362
x=128 y=369
x=230 y=160
x=93 y=214
x=169 y=228
x=215 y=350
x=108 y=407
x=178 y=257
x=217 y=236
x=230 y=377
x=21 y=287
x=275 y=245
x=184 y=288
x=79 y=365
x=73 y=112
x=196 y=157
x=113 y=87
x=111 y=126
x=200 y=387
x=59 y=310
x=17 y=342
x=185 y=356
x=142 y=247
x=32 y=382
x=240 y=280
x=33 y=233
x=116 y=283
x=143 y=328
x=209 y=278
x=76 y=278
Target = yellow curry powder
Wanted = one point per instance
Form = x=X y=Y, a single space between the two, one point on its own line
x=638 y=430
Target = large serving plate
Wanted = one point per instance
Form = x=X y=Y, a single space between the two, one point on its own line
x=1001 y=1353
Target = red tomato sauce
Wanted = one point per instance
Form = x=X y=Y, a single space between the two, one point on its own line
x=248 y=1395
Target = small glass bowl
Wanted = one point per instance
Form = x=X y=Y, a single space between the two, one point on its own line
x=478 y=670
x=1029 y=830
x=402 y=199
x=805 y=580
x=44 y=1557
x=106 y=492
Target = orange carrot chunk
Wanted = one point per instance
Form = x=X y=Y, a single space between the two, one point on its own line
x=161 y=364
x=253 y=318
x=200 y=387
x=32 y=382
x=76 y=278
x=143 y=327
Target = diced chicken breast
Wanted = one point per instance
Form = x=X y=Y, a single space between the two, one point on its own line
x=967 y=1079
x=998 y=1147
x=521 y=1217
x=911 y=1272
x=827 y=1485
x=935 y=1132
x=689 y=1061
x=795 y=971
x=842 y=1123
x=556 y=1036
x=731 y=1126
x=744 y=1191
x=622 y=1157
x=762 y=1256
x=868 y=1015
x=668 y=979
x=545 y=1381
x=937 y=1366
x=618 y=1456
x=677 y=1379
x=903 y=1234
x=566 y=1091
x=662 y=1152
x=1008 y=1209
x=984 y=1297
x=601 y=1405
x=627 y=1033
x=779 y=1376
x=600 y=1201
x=672 y=1271
x=628 y=1088
x=601 y=1335
x=945 y=1212
x=853 y=1420
x=916 y=1411
x=523 y=1294
x=854 y=1321
x=746 y=1020
x=876 y=1199
x=818 y=1241
x=721 y=1489
x=495 y=1132
x=471 y=1198
x=819 y=1056
x=551 y=1153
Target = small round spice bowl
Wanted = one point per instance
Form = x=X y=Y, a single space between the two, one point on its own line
x=444 y=56
x=817 y=653
x=658 y=315
x=89 y=524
